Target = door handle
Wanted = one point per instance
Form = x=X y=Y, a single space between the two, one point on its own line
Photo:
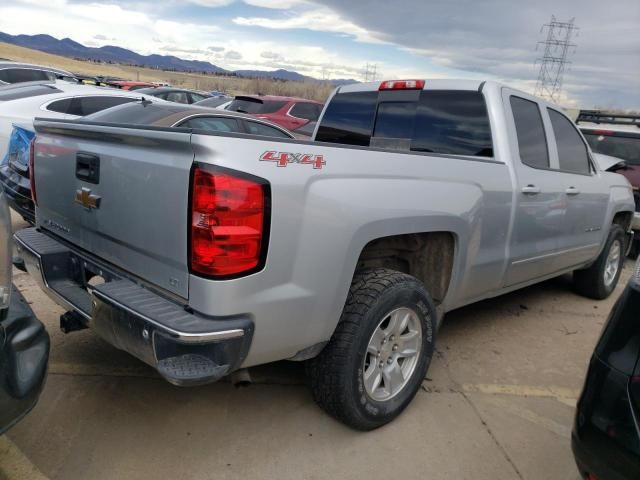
x=572 y=191
x=530 y=190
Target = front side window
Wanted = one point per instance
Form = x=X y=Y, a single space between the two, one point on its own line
x=572 y=152
x=532 y=141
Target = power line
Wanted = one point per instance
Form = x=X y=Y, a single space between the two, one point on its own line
x=370 y=72
x=553 y=62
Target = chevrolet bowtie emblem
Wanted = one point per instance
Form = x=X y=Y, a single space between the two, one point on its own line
x=86 y=199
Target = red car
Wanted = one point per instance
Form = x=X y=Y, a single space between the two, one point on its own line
x=288 y=112
x=131 y=85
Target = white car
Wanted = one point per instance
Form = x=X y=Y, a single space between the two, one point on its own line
x=59 y=99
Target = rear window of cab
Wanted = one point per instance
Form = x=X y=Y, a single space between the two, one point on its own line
x=452 y=122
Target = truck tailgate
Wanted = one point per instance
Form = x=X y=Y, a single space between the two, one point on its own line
x=118 y=193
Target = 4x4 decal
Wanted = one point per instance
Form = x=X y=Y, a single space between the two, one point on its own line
x=283 y=159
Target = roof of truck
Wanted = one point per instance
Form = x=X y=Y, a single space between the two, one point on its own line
x=429 y=84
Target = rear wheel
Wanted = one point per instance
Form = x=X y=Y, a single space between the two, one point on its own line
x=380 y=352
x=601 y=278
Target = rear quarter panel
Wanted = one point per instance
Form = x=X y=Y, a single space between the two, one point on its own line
x=322 y=218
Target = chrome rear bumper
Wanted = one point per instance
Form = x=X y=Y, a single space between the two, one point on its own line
x=185 y=347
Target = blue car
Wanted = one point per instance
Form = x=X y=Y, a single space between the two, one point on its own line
x=14 y=173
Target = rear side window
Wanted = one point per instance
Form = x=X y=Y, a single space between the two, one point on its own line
x=19 y=75
x=256 y=128
x=88 y=105
x=255 y=106
x=60 y=106
x=617 y=145
x=215 y=124
x=348 y=119
x=572 y=152
x=532 y=141
x=308 y=111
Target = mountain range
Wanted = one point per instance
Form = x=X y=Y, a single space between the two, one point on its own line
x=67 y=47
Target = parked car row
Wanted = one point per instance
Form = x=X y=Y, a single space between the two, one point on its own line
x=22 y=102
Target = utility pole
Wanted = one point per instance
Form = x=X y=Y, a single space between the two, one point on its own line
x=370 y=72
x=553 y=62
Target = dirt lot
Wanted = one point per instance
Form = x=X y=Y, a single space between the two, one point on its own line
x=498 y=403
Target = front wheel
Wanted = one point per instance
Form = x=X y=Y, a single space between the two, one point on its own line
x=379 y=353
x=601 y=278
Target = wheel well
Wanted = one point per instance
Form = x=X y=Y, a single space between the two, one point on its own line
x=623 y=219
x=426 y=256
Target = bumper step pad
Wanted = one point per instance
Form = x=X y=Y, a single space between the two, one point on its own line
x=190 y=369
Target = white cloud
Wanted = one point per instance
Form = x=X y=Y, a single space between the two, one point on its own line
x=318 y=19
x=233 y=55
x=272 y=56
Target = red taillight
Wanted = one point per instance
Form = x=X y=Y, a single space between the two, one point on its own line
x=32 y=171
x=227 y=223
x=402 y=85
x=602 y=132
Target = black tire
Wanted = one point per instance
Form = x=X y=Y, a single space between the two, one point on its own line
x=590 y=282
x=336 y=374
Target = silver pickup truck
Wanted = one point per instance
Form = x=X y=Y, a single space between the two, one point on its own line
x=203 y=252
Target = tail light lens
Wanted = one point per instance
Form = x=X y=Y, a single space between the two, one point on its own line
x=402 y=85
x=32 y=171
x=228 y=223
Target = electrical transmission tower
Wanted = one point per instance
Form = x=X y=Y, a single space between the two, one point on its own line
x=370 y=72
x=553 y=62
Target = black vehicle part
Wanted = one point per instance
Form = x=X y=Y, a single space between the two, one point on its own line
x=23 y=361
x=72 y=322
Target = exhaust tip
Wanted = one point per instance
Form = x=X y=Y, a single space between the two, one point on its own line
x=241 y=378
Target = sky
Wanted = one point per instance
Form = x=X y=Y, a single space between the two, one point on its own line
x=488 y=39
